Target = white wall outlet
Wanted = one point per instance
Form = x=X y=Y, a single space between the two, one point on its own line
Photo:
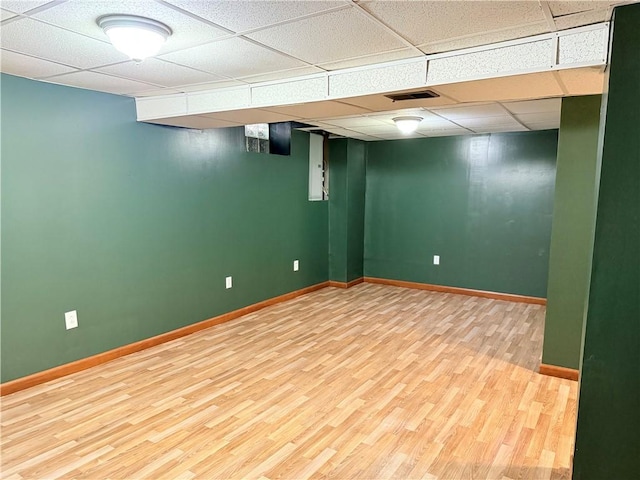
x=228 y=282
x=71 y=319
x=296 y=265
x=436 y=259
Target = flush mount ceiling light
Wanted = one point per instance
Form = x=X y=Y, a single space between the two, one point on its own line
x=407 y=125
x=137 y=37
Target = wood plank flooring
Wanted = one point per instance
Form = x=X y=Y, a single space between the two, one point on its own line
x=373 y=382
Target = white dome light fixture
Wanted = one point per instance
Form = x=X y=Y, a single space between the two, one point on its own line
x=407 y=124
x=136 y=37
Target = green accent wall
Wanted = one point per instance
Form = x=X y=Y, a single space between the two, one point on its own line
x=137 y=225
x=574 y=214
x=347 y=171
x=483 y=203
x=607 y=437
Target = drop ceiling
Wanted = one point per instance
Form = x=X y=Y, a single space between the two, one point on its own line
x=222 y=44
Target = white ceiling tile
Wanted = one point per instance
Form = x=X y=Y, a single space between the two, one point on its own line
x=380 y=103
x=447 y=132
x=520 y=87
x=281 y=74
x=365 y=138
x=487 y=122
x=583 y=81
x=583 y=18
x=470 y=111
x=31 y=67
x=501 y=128
x=317 y=123
x=397 y=135
x=485 y=38
x=230 y=58
x=159 y=72
x=100 y=82
x=418 y=111
x=438 y=124
x=5 y=14
x=425 y=22
x=329 y=37
x=21 y=6
x=340 y=131
x=250 y=116
x=568 y=7
x=376 y=129
x=153 y=92
x=81 y=15
x=427 y=117
x=545 y=117
x=58 y=45
x=319 y=110
x=199 y=87
x=194 y=121
x=389 y=56
x=240 y=16
x=350 y=122
x=551 y=105
x=543 y=125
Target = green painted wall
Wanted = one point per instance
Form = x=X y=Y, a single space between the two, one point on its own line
x=347 y=169
x=483 y=203
x=136 y=225
x=574 y=215
x=607 y=438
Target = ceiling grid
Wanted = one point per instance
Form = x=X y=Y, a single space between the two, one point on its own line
x=361 y=48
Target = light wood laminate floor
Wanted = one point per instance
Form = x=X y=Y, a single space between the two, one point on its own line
x=373 y=382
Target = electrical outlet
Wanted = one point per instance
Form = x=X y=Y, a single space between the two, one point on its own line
x=71 y=319
x=296 y=265
x=228 y=282
x=436 y=259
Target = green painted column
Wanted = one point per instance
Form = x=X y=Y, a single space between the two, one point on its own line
x=346 y=209
x=608 y=430
x=574 y=214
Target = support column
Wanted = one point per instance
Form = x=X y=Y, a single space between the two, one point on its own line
x=607 y=444
x=346 y=209
x=574 y=218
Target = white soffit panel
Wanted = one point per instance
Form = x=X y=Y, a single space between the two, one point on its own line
x=149 y=108
x=217 y=100
x=584 y=47
x=288 y=92
x=538 y=55
x=377 y=80
x=193 y=121
x=530 y=56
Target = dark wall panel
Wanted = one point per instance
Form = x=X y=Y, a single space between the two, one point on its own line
x=483 y=203
x=607 y=437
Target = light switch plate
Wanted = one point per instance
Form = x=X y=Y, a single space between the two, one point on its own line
x=71 y=319
x=228 y=282
x=296 y=265
x=436 y=259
